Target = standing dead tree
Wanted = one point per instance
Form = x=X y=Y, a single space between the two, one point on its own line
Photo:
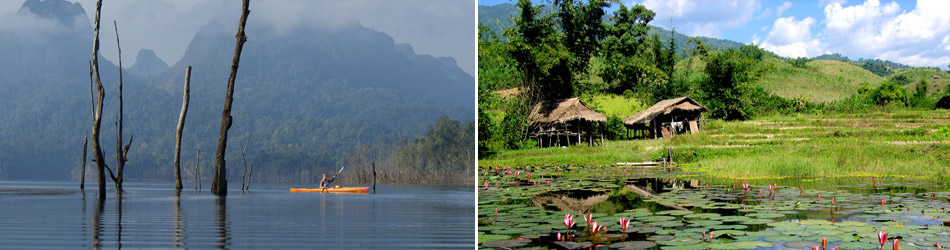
x=249 y=173
x=120 y=152
x=181 y=127
x=97 y=116
x=244 y=179
x=85 y=138
x=82 y=177
x=219 y=184
x=197 y=174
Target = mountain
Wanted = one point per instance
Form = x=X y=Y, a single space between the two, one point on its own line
x=498 y=18
x=305 y=97
x=147 y=64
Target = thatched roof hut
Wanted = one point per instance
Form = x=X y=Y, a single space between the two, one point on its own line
x=665 y=107
x=563 y=122
x=666 y=116
x=563 y=111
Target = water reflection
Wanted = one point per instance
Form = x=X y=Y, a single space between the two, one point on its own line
x=118 y=219
x=224 y=236
x=97 y=222
x=179 y=241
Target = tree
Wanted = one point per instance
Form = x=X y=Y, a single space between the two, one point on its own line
x=727 y=86
x=219 y=184
x=627 y=64
x=583 y=28
x=543 y=60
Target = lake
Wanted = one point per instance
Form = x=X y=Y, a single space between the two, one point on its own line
x=56 y=215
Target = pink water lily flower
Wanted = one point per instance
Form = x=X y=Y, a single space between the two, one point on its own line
x=568 y=220
x=882 y=238
x=588 y=218
x=814 y=247
x=624 y=223
x=486 y=185
x=883 y=201
x=897 y=246
x=548 y=182
x=824 y=243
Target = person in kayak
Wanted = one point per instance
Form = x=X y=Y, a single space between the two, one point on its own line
x=325 y=183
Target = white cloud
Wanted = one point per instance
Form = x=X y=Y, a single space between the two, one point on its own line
x=885 y=31
x=703 y=17
x=792 y=38
x=781 y=9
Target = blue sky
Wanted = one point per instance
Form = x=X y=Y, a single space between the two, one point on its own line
x=910 y=32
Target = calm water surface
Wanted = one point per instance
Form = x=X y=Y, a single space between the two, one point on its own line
x=48 y=215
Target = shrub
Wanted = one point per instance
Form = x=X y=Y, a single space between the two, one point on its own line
x=889 y=93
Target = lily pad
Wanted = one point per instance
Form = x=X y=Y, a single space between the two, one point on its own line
x=506 y=243
x=633 y=245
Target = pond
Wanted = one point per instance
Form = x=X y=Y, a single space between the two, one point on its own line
x=48 y=215
x=526 y=207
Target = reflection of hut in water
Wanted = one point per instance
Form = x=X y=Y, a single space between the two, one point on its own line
x=564 y=122
x=667 y=118
x=570 y=202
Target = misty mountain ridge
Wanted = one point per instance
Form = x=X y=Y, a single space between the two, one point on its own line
x=305 y=97
x=147 y=64
x=70 y=15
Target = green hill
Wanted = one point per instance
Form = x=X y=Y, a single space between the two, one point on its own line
x=910 y=78
x=821 y=80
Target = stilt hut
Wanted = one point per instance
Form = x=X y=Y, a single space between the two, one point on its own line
x=564 y=122
x=667 y=118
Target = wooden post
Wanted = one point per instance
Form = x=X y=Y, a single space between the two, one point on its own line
x=181 y=128
x=219 y=184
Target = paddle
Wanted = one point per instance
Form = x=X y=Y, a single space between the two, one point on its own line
x=341 y=170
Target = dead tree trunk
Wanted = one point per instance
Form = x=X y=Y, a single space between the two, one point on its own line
x=197 y=175
x=244 y=177
x=97 y=117
x=120 y=152
x=181 y=127
x=249 y=173
x=219 y=184
x=82 y=177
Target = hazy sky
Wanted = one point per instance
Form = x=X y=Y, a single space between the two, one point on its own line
x=910 y=32
x=433 y=27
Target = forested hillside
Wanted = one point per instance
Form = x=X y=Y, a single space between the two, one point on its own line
x=498 y=18
x=307 y=98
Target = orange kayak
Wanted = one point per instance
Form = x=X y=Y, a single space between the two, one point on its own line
x=333 y=190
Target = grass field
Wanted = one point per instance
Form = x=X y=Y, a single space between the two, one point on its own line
x=897 y=144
